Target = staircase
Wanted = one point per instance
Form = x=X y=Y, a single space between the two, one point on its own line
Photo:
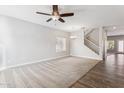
x=92 y=39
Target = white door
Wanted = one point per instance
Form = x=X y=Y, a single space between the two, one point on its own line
x=120 y=46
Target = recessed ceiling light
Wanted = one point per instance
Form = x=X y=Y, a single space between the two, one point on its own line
x=73 y=37
x=114 y=27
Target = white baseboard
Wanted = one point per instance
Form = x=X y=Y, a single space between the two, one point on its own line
x=37 y=61
x=48 y=59
x=87 y=57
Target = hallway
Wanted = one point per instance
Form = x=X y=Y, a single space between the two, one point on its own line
x=109 y=74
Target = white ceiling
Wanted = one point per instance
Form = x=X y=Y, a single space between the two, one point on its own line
x=84 y=16
x=115 y=30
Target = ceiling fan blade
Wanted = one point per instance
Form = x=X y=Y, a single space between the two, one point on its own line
x=61 y=20
x=67 y=14
x=49 y=20
x=43 y=13
x=55 y=8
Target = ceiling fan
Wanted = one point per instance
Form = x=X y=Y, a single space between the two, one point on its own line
x=55 y=15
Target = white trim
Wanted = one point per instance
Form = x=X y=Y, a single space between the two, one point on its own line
x=42 y=60
x=28 y=63
x=88 y=57
x=2 y=68
x=3 y=48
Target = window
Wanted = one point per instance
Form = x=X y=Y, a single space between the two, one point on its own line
x=111 y=44
x=60 y=44
x=120 y=46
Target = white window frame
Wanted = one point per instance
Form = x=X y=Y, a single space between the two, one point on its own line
x=121 y=48
x=60 y=44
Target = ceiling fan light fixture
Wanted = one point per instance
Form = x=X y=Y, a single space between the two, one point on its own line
x=55 y=18
x=55 y=15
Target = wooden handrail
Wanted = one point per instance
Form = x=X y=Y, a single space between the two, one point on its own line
x=92 y=43
x=96 y=48
x=92 y=40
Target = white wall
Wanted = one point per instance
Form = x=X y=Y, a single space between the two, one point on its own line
x=26 y=42
x=79 y=49
x=115 y=32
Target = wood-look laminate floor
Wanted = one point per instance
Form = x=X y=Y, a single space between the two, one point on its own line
x=59 y=73
x=108 y=74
